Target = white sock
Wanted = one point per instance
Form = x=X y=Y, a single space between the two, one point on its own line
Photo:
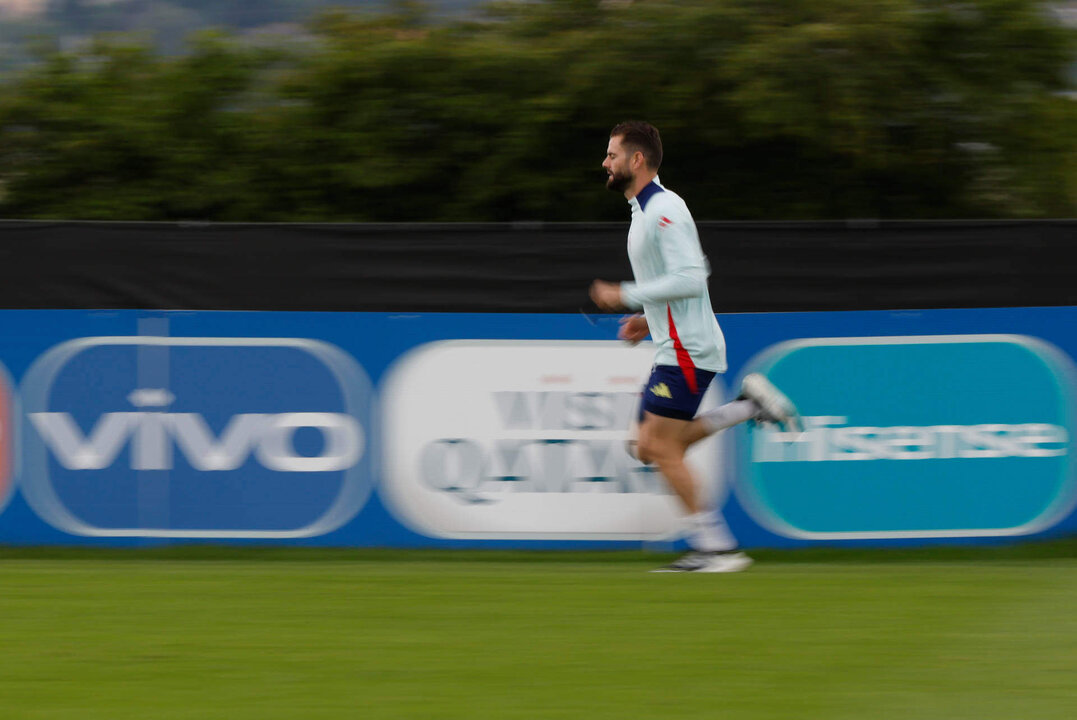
x=730 y=414
x=709 y=533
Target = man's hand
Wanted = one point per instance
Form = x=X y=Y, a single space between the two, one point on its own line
x=606 y=295
x=633 y=329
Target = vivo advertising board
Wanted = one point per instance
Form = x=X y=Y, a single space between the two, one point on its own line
x=195 y=437
x=460 y=430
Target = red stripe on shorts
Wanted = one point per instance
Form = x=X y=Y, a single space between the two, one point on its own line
x=683 y=358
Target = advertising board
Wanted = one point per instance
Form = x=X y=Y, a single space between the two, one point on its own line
x=508 y=430
x=525 y=439
x=930 y=436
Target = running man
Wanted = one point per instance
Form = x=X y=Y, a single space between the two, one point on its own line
x=671 y=289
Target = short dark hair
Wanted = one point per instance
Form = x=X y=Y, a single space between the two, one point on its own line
x=641 y=136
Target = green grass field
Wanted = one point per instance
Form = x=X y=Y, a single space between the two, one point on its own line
x=224 y=633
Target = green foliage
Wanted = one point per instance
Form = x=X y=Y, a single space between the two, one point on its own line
x=769 y=109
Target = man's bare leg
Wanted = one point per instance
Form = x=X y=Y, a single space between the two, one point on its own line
x=725 y=416
x=663 y=442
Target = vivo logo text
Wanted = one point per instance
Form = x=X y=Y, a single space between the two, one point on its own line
x=155 y=436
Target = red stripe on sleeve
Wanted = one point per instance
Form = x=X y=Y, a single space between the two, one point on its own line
x=684 y=360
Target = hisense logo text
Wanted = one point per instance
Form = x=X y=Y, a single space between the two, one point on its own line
x=828 y=438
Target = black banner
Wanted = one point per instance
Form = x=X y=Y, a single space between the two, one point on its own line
x=527 y=267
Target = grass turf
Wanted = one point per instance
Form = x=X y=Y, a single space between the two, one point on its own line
x=224 y=633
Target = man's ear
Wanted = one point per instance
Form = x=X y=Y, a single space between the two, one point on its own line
x=638 y=161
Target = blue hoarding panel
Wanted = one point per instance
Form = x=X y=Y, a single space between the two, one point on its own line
x=507 y=430
x=959 y=435
x=195 y=437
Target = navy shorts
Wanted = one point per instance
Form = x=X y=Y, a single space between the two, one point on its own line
x=674 y=392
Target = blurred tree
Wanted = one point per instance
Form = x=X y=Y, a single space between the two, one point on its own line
x=769 y=109
x=114 y=132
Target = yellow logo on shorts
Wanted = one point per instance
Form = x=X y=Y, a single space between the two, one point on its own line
x=661 y=390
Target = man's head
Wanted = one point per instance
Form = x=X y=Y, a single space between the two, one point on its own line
x=635 y=150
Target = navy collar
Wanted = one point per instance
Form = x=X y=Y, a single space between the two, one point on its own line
x=648 y=191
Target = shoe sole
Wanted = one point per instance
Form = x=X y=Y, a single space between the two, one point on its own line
x=763 y=391
x=729 y=566
x=724 y=566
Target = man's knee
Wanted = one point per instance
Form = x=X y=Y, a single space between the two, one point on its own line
x=652 y=448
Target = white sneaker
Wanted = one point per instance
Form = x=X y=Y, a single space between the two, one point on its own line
x=776 y=407
x=708 y=562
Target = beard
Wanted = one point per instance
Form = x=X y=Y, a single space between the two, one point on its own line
x=619 y=182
